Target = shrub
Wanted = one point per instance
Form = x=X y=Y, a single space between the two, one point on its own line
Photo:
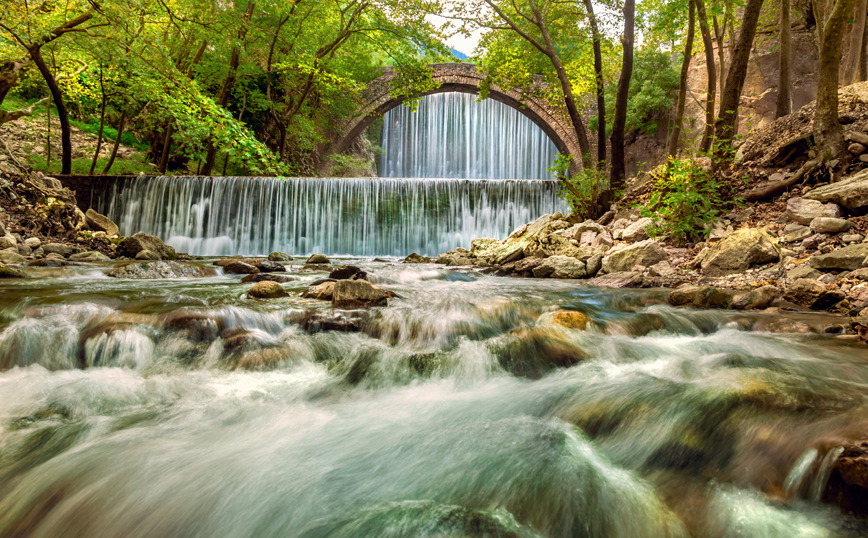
x=582 y=190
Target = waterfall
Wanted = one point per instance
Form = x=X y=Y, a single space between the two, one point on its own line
x=452 y=136
x=336 y=216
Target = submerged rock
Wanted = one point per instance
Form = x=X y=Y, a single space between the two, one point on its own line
x=267 y=290
x=136 y=243
x=279 y=257
x=267 y=266
x=568 y=318
x=268 y=277
x=357 y=294
x=160 y=269
x=345 y=271
x=533 y=352
x=239 y=268
x=318 y=258
x=6 y=272
x=324 y=291
x=848 y=484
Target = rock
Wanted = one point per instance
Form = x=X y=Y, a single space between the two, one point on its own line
x=745 y=215
x=803 y=271
x=811 y=294
x=49 y=262
x=794 y=235
x=847 y=486
x=849 y=258
x=736 y=253
x=91 y=256
x=101 y=223
x=637 y=231
x=147 y=255
x=6 y=272
x=160 y=269
x=9 y=257
x=587 y=238
x=268 y=277
x=7 y=241
x=357 y=294
x=226 y=261
x=58 y=248
x=536 y=239
x=268 y=266
x=136 y=243
x=345 y=271
x=239 y=268
x=860 y=274
x=331 y=320
x=810 y=243
x=661 y=269
x=829 y=225
x=803 y=211
x=856 y=148
x=607 y=217
x=623 y=279
x=624 y=257
x=604 y=238
x=594 y=264
x=758 y=299
x=481 y=246
x=852 y=238
x=323 y=292
x=528 y=264
x=23 y=249
x=560 y=267
x=701 y=297
x=318 y=258
x=267 y=290
x=33 y=242
x=851 y=192
x=417 y=258
x=568 y=319
x=279 y=257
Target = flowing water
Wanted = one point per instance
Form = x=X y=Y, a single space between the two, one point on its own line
x=183 y=409
x=450 y=135
x=214 y=216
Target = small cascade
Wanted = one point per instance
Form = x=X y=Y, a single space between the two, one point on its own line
x=452 y=136
x=216 y=216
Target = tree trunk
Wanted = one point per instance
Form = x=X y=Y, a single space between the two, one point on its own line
x=63 y=115
x=618 y=169
x=783 y=107
x=707 y=44
x=682 y=87
x=101 y=123
x=855 y=57
x=167 y=148
x=598 y=75
x=226 y=90
x=863 y=57
x=724 y=127
x=828 y=135
x=9 y=76
x=114 y=154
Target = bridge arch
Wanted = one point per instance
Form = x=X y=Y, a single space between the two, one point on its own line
x=460 y=78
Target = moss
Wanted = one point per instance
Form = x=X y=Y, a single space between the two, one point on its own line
x=6 y=272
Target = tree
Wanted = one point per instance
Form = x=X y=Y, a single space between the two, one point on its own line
x=784 y=92
x=600 y=86
x=853 y=72
x=682 y=88
x=711 y=73
x=618 y=172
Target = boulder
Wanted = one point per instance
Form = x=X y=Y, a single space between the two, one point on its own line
x=147 y=255
x=594 y=264
x=8 y=241
x=33 y=242
x=279 y=257
x=851 y=192
x=737 y=252
x=847 y=486
x=23 y=249
x=9 y=257
x=568 y=319
x=91 y=256
x=622 y=279
x=136 y=243
x=757 y=299
x=661 y=269
x=101 y=223
x=847 y=258
x=226 y=261
x=160 y=269
x=268 y=277
x=803 y=211
x=323 y=292
x=6 y=272
x=527 y=264
x=344 y=272
x=829 y=225
x=268 y=266
x=240 y=268
x=701 y=297
x=318 y=258
x=625 y=257
x=58 y=248
x=803 y=271
x=560 y=267
x=417 y=258
x=481 y=246
x=357 y=294
x=267 y=290
x=796 y=233
x=811 y=294
x=536 y=239
x=637 y=231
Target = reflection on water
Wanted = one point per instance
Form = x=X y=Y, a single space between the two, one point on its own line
x=185 y=409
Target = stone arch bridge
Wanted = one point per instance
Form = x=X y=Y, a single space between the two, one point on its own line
x=462 y=78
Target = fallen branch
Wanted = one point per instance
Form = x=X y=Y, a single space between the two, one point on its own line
x=770 y=190
x=6 y=117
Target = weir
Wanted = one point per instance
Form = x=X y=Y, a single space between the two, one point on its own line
x=334 y=216
x=451 y=135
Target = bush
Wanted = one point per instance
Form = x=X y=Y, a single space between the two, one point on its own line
x=582 y=190
x=689 y=201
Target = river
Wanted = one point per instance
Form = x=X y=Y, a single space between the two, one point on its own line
x=180 y=408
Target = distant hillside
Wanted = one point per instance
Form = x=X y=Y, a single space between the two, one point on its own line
x=460 y=55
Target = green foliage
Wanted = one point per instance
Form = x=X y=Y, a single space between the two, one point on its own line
x=689 y=201
x=121 y=167
x=582 y=190
x=652 y=89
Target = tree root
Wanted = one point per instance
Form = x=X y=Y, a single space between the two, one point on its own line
x=770 y=190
